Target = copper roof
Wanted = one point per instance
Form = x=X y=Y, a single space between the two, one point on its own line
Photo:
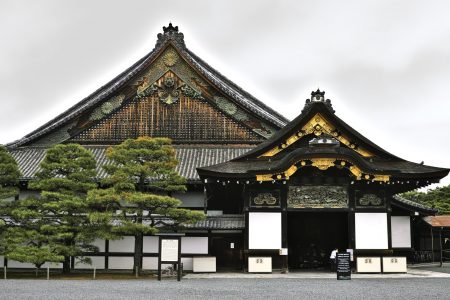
x=438 y=221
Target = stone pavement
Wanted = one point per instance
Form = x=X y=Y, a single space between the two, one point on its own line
x=412 y=273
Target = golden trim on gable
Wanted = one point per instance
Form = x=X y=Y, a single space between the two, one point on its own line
x=317 y=125
x=324 y=164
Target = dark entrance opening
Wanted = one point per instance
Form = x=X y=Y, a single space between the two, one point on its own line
x=313 y=235
x=227 y=248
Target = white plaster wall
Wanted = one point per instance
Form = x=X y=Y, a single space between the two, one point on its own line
x=124 y=245
x=97 y=261
x=121 y=263
x=190 y=199
x=52 y=265
x=100 y=244
x=17 y=264
x=187 y=263
x=150 y=263
x=2 y=261
x=151 y=244
x=401 y=231
x=194 y=245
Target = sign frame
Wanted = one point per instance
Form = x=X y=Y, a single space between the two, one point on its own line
x=176 y=263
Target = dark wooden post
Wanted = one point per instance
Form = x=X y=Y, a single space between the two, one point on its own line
x=440 y=246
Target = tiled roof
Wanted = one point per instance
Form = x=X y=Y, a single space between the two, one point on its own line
x=224 y=222
x=189 y=157
x=414 y=205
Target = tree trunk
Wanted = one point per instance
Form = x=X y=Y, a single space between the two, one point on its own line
x=66 y=265
x=138 y=244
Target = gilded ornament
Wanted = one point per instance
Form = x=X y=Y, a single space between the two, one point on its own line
x=170 y=57
x=323 y=163
x=241 y=115
x=107 y=107
x=318 y=125
x=317 y=197
x=225 y=105
x=265 y=199
x=370 y=200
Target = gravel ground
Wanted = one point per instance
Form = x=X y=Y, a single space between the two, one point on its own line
x=426 y=288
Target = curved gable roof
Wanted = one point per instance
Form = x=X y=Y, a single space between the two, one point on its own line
x=170 y=36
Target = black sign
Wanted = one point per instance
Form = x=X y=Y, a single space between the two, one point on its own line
x=343 y=268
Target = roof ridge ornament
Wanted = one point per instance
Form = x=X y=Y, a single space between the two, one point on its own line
x=171 y=33
x=318 y=96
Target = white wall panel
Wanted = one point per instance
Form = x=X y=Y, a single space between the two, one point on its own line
x=150 y=263
x=264 y=230
x=194 y=245
x=124 y=245
x=371 y=231
x=190 y=199
x=53 y=265
x=100 y=244
x=187 y=263
x=2 y=261
x=122 y=263
x=401 y=232
x=151 y=244
x=17 y=264
x=97 y=261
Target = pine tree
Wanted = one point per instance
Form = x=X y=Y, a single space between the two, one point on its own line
x=26 y=238
x=143 y=174
x=9 y=174
x=438 y=198
x=73 y=222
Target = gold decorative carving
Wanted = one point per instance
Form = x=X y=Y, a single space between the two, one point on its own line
x=318 y=125
x=323 y=163
x=170 y=57
x=265 y=199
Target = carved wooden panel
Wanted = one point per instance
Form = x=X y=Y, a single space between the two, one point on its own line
x=265 y=199
x=317 y=197
x=369 y=199
x=168 y=110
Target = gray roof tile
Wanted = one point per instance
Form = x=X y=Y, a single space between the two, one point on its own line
x=189 y=157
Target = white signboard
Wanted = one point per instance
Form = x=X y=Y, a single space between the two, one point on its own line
x=264 y=230
x=169 y=250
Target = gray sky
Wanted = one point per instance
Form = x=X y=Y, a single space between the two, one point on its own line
x=385 y=65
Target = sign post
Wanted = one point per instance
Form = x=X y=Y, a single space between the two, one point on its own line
x=343 y=269
x=170 y=253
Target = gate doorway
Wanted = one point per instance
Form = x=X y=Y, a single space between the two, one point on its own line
x=313 y=235
x=227 y=249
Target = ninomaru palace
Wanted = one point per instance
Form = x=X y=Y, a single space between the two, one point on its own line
x=279 y=195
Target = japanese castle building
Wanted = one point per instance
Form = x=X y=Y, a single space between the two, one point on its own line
x=287 y=191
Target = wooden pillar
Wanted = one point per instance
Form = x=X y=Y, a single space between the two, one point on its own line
x=351 y=219
x=106 y=254
x=284 y=228
x=440 y=246
x=432 y=244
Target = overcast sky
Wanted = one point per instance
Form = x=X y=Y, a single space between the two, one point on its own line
x=385 y=65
